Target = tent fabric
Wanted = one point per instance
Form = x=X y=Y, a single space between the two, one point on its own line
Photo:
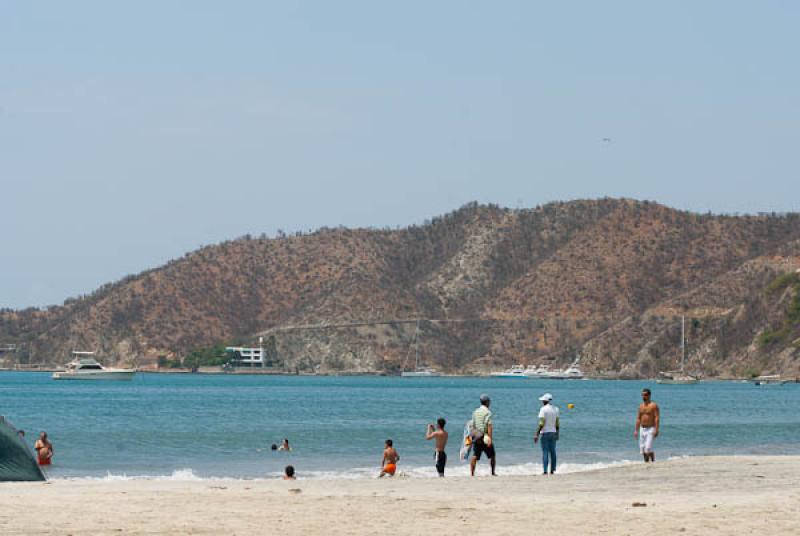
x=16 y=458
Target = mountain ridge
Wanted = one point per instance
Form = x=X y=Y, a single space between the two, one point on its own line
x=604 y=278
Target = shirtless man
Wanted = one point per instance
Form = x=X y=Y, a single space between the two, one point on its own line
x=648 y=420
x=44 y=449
x=390 y=459
x=440 y=435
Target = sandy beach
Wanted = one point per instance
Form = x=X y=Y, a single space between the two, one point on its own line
x=703 y=495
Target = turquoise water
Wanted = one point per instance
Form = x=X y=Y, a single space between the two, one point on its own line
x=222 y=425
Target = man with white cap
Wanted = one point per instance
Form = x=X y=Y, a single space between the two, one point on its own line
x=548 y=431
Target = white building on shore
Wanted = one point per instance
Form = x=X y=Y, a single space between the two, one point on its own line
x=248 y=357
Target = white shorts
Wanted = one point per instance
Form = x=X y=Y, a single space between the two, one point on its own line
x=646 y=436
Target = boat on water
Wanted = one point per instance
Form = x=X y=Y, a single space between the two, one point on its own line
x=517 y=371
x=419 y=371
x=678 y=377
x=541 y=372
x=572 y=372
x=84 y=367
x=773 y=379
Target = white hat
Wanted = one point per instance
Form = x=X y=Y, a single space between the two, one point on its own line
x=547 y=397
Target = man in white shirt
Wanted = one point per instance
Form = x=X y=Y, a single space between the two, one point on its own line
x=548 y=430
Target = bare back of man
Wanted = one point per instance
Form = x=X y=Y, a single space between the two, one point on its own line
x=390 y=459
x=390 y=456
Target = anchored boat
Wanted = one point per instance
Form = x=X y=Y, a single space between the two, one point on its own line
x=419 y=371
x=773 y=379
x=517 y=371
x=85 y=367
x=678 y=377
x=540 y=372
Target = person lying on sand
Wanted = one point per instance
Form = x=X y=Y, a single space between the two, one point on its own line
x=390 y=459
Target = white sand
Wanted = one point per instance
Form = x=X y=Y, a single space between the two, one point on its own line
x=715 y=495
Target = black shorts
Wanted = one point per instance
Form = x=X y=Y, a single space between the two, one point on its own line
x=440 y=458
x=480 y=447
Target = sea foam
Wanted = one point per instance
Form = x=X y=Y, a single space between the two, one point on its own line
x=454 y=470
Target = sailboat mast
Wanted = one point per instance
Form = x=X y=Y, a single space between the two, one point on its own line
x=683 y=342
x=416 y=339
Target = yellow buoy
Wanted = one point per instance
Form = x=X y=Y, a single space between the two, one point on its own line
x=571 y=406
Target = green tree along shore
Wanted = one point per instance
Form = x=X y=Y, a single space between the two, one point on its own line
x=791 y=320
x=216 y=355
x=205 y=356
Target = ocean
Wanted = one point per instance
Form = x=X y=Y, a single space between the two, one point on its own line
x=186 y=426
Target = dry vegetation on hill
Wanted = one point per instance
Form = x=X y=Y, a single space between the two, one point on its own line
x=608 y=279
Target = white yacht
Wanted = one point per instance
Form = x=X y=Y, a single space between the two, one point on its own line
x=774 y=379
x=421 y=372
x=572 y=372
x=517 y=371
x=541 y=372
x=85 y=367
x=676 y=377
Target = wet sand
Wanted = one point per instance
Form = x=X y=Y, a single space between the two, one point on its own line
x=703 y=495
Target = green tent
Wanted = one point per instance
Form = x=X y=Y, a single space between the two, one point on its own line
x=16 y=458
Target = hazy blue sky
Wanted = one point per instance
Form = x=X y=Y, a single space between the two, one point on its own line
x=132 y=132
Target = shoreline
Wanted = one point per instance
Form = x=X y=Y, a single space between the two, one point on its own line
x=698 y=495
x=202 y=372
x=455 y=470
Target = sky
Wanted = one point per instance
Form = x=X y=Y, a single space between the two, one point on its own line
x=134 y=132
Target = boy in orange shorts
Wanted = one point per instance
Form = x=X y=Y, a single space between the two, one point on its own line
x=390 y=459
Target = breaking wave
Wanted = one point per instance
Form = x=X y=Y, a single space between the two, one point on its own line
x=454 y=470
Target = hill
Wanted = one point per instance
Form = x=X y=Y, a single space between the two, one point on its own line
x=606 y=279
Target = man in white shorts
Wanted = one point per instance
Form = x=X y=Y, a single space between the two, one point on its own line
x=647 y=423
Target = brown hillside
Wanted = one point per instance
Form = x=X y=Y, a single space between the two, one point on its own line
x=606 y=278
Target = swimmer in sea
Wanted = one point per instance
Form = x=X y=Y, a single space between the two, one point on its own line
x=390 y=459
x=285 y=445
x=44 y=449
x=648 y=420
x=288 y=473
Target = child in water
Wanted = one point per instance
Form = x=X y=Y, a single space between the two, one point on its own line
x=288 y=473
x=390 y=459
